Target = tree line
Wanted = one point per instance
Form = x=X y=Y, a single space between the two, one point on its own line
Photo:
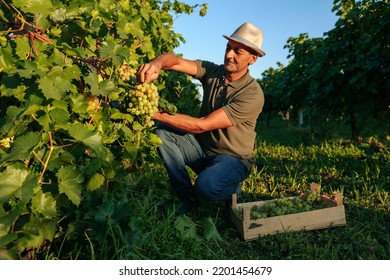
x=342 y=76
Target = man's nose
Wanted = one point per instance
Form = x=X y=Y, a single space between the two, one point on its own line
x=229 y=53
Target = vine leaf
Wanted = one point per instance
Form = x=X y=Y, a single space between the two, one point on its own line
x=36 y=232
x=122 y=116
x=54 y=87
x=58 y=82
x=69 y=183
x=100 y=88
x=134 y=28
x=114 y=52
x=210 y=230
x=6 y=239
x=34 y=6
x=59 y=116
x=18 y=183
x=187 y=227
x=22 y=147
x=6 y=59
x=23 y=47
x=45 y=204
x=95 y=182
x=155 y=140
x=92 y=139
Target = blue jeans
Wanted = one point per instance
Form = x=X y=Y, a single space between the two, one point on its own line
x=219 y=176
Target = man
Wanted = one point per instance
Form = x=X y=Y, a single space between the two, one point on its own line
x=218 y=145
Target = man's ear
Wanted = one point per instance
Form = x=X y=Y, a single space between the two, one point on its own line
x=253 y=59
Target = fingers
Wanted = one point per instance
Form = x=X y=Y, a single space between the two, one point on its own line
x=141 y=74
x=146 y=73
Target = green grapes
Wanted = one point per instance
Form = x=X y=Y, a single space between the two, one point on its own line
x=126 y=72
x=6 y=142
x=93 y=103
x=143 y=102
x=284 y=206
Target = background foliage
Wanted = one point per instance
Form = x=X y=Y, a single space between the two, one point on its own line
x=340 y=77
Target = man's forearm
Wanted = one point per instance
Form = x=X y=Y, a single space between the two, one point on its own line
x=167 y=61
x=180 y=121
x=215 y=120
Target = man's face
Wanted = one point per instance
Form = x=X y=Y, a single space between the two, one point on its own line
x=238 y=58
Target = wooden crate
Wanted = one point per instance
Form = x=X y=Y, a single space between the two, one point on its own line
x=331 y=216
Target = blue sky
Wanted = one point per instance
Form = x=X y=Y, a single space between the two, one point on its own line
x=278 y=19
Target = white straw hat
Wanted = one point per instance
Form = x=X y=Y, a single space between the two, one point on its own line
x=249 y=35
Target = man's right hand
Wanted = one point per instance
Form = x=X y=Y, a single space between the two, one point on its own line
x=151 y=70
x=148 y=72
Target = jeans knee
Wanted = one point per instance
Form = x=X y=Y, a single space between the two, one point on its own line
x=208 y=188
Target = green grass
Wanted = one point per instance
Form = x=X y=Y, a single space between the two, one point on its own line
x=288 y=160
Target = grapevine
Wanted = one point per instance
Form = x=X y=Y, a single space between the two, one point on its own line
x=72 y=116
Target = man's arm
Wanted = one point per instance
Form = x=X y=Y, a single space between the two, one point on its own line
x=215 y=120
x=151 y=70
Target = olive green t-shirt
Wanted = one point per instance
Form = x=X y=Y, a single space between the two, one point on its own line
x=242 y=101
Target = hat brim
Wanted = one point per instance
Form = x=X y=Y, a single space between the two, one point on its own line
x=246 y=43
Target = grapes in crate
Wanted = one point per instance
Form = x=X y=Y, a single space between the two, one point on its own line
x=284 y=206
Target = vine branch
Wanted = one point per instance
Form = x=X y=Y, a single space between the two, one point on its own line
x=21 y=28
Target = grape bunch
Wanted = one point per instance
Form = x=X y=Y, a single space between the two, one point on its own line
x=6 y=142
x=126 y=72
x=143 y=102
x=284 y=206
x=93 y=103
